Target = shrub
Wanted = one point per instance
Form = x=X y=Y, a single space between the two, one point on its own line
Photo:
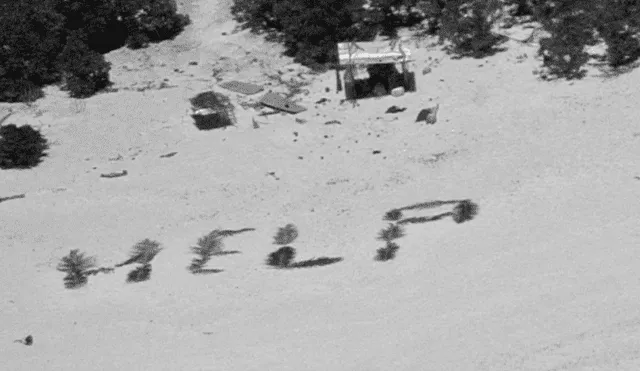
x=282 y=257
x=467 y=25
x=30 y=40
x=392 y=14
x=571 y=28
x=142 y=273
x=159 y=20
x=464 y=211
x=86 y=71
x=137 y=40
x=622 y=47
x=521 y=7
x=96 y=19
x=432 y=11
x=208 y=246
x=309 y=30
x=618 y=24
x=256 y=15
x=31 y=36
x=76 y=265
x=388 y=252
x=19 y=90
x=34 y=33
x=21 y=147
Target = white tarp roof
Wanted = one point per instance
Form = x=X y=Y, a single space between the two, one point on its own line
x=372 y=52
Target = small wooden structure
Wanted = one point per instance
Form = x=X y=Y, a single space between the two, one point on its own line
x=379 y=59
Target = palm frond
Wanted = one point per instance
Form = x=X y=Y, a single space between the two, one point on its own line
x=393 y=215
x=392 y=232
x=144 y=251
x=464 y=211
x=76 y=262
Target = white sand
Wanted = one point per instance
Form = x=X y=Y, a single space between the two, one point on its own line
x=545 y=277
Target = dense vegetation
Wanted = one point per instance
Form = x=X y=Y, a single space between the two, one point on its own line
x=21 y=147
x=62 y=41
x=310 y=29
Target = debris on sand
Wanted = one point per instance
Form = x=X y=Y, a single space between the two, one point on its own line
x=114 y=175
x=395 y=109
x=26 y=341
x=242 y=87
x=212 y=111
x=278 y=102
x=429 y=115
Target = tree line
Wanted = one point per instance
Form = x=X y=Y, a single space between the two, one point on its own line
x=62 y=42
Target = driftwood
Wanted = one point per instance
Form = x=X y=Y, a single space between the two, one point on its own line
x=333 y=122
x=114 y=175
x=11 y=197
x=171 y=154
x=5 y=117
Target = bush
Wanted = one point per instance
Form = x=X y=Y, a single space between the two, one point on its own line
x=256 y=15
x=19 y=90
x=618 y=24
x=309 y=30
x=85 y=70
x=76 y=265
x=467 y=25
x=34 y=33
x=393 y=14
x=521 y=7
x=432 y=11
x=282 y=257
x=96 y=19
x=21 y=147
x=571 y=28
x=159 y=20
x=31 y=36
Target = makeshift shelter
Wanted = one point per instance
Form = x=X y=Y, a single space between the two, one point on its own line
x=377 y=61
